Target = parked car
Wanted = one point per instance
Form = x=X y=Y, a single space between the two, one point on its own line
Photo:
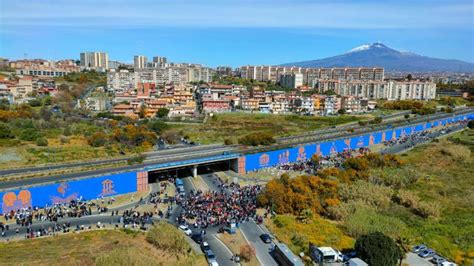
x=266 y=238
x=437 y=259
x=447 y=263
x=197 y=238
x=205 y=246
x=211 y=258
x=427 y=253
x=186 y=229
x=419 y=248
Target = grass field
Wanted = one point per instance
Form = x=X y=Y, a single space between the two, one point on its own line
x=232 y=126
x=103 y=247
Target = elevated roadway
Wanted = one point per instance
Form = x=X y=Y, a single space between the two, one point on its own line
x=191 y=156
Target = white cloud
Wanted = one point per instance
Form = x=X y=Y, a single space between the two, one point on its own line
x=242 y=13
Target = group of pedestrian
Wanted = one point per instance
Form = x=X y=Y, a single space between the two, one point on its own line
x=232 y=203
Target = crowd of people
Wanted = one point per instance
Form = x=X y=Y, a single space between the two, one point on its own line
x=333 y=160
x=232 y=204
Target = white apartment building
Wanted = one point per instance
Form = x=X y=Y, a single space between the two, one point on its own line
x=160 y=61
x=139 y=62
x=332 y=104
x=291 y=80
x=95 y=60
x=390 y=90
x=311 y=75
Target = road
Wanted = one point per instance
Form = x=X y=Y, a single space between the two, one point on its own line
x=249 y=229
x=161 y=154
x=184 y=155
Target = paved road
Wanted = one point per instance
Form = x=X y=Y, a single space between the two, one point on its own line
x=413 y=259
x=162 y=154
x=249 y=229
x=4 y=185
x=252 y=232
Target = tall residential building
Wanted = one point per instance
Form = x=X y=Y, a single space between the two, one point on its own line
x=291 y=80
x=160 y=60
x=139 y=62
x=95 y=60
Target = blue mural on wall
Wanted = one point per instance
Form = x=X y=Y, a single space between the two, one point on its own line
x=87 y=189
x=271 y=158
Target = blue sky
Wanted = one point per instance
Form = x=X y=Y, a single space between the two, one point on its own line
x=225 y=32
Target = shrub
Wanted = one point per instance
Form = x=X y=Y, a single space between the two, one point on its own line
x=256 y=139
x=98 y=139
x=42 y=142
x=378 y=249
x=247 y=252
x=167 y=237
x=427 y=210
x=63 y=140
x=5 y=131
x=29 y=134
x=470 y=124
x=228 y=142
x=406 y=198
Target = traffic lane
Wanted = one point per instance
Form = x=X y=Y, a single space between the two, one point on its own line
x=252 y=232
x=413 y=259
x=222 y=253
x=211 y=181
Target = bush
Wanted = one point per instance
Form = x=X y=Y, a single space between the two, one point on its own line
x=378 y=249
x=228 y=142
x=136 y=159
x=165 y=236
x=63 y=140
x=247 y=252
x=42 y=142
x=30 y=134
x=98 y=139
x=256 y=139
x=427 y=210
x=470 y=124
x=406 y=198
x=366 y=220
x=5 y=131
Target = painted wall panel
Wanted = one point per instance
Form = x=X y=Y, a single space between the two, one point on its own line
x=47 y=195
x=272 y=158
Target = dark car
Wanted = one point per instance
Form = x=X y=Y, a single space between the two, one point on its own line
x=205 y=246
x=266 y=238
x=197 y=238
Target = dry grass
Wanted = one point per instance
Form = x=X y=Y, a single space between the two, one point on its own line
x=298 y=235
x=101 y=247
x=235 y=125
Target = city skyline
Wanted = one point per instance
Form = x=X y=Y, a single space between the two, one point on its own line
x=224 y=33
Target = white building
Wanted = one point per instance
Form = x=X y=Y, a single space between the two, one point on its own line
x=291 y=80
x=95 y=60
x=139 y=62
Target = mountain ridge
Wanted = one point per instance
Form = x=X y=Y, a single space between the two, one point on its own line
x=379 y=55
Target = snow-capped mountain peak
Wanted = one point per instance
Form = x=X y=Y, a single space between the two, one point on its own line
x=368 y=46
x=360 y=48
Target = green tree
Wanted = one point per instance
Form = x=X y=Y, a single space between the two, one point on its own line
x=378 y=249
x=142 y=111
x=162 y=112
x=158 y=126
x=341 y=111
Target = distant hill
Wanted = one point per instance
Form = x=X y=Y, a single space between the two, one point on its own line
x=377 y=54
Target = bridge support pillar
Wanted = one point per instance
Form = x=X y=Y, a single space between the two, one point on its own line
x=195 y=171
